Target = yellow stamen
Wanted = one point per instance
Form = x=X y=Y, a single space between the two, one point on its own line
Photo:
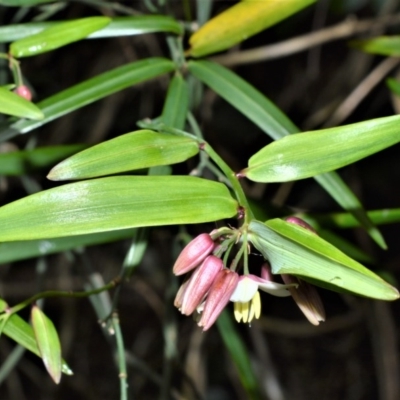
x=249 y=310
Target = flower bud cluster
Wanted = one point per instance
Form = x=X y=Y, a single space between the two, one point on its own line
x=210 y=286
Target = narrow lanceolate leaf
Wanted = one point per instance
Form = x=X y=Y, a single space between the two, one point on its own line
x=21 y=250
x=176 y=103
x=268 y=117
x=307 y=154
x=57 y=36
x=239 y=22
x=244 y=97
x=12 y=104
x=114 y=203
x=294 y=250
x=118 y=26
x=135 y=150
x=92 y=90
x=22 y=333
x=384 y=45
x=48 y=343
x=25 y=161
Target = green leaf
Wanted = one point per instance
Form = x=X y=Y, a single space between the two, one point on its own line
x=384 y=45
x=307 y=154
x=25 y=161
x=118 y=26
x=294 y=250
x=239 y=354
x=115 y=203
x=48 y=343
x=244 y=97
x=93 y=89
x=22 y=333
x=135 y=150
x=240 y=22
x=176 y=103
x=347 y=220
x=21 y=250
x=12 y=104
x=254 y=105
x=57 y=36
x=393 y=85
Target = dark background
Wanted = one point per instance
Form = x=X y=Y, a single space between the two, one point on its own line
x=352 y=356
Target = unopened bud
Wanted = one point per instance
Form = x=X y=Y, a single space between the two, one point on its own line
x=24 y=92
x=193 y=254
x=218 y=297
x=300 y=222
x=199 y=283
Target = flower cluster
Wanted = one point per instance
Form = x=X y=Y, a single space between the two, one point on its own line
x=211 y=285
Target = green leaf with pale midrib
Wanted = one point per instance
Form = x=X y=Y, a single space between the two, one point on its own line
x=115 y=203
x=307 y=154
x=294 y=250
x=135 y=150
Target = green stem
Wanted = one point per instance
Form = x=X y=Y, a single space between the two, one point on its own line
x=234 y=181
x=55 y=293
x=123 y=375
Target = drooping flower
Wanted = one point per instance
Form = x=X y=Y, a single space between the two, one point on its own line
x=199 y=284
x=23 y=91
x=193 y=254
x=247 y=297
x=218 y=297
x=307 y=299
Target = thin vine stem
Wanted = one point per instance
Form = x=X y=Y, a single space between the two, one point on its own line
x=55 y=293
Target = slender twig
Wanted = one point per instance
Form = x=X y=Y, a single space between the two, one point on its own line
x=361 y=91
x=345 y=29
x=55 y=293
x=123 y=374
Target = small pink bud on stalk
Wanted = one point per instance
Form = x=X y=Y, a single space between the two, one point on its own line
x=218 y=297
x=199 y=284
x=307 y=299
x=194 y=254
x=24 y=92
x=300 y=222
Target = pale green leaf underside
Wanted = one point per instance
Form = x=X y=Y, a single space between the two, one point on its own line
x=307 y=154
x=115 y=203
x=12 y=104
x=119 y=26
x=296 y=251
x=48 y=342
x=135 y=150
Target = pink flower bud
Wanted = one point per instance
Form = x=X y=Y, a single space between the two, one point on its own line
x=179 y=295
x=24 y=92
x=194 y=254
x=300 y=222
x=218 y=297
x=266 y=273
x=199 y=284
